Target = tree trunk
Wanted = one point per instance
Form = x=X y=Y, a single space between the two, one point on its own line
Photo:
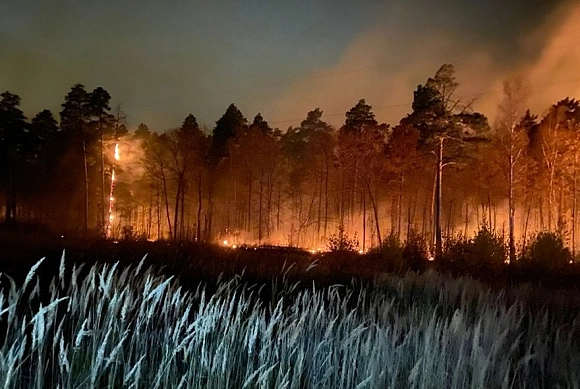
x=270 y=188
x=102 y=207
x=249 y=222
x=199 y=202
x=176 y=211
x=400 y=205
x=319 y=217
x=158 y=205
x=260 y=208
x=376 y=213
x=278 y=209
x=438 y=239
x=326 y=200
x=86 y=188
x=466 y=217
x=574 y=186
x=166 y=203
x=511 y=205
x=182 y=225
x=364 y=209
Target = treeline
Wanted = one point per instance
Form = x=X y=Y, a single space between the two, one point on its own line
x=443 y=168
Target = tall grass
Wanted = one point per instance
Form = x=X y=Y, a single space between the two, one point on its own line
x=129 y=328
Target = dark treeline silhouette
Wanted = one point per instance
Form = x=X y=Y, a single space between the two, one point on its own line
x=442 y=169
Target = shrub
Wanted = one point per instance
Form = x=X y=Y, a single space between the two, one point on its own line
x=415 y=252
x=486 y=249
x=546 y=251
x=391 y=252
x=342 y=242
x=455 y=248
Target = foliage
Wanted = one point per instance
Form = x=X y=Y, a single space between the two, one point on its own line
x=391 y=251
x=247 y=178
x=227 y=128
x=456 y=248
x=487 y=248
x=546 y=250
x=416 y=251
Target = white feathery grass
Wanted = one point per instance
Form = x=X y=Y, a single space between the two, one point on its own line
x=134 y=329
x=61 y=270
x=31 y=273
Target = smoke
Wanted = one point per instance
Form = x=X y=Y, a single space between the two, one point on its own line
x=386 y=62
x=554 y=75
x=131 y=153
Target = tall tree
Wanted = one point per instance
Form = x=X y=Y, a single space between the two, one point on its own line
x=101 y=124
x=512 y=139
x=359 y=118
x=227 y=127
x=74 y=119
x=256 y=159
x=142 y=131
x=45 y=146
x=361 y=151
x=550 y=144
x=12 y=135
x=441 y=117
x=309 y=152
x=403 y=159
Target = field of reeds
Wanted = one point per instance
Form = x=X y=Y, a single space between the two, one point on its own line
x=112 y=325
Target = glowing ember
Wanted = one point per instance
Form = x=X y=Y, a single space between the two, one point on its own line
x=117 y=155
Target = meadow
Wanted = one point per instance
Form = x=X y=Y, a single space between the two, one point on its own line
x=119 y=324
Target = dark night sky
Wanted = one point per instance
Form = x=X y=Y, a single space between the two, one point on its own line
x=163 y=60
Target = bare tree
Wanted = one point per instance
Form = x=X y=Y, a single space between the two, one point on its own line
x=512 y=140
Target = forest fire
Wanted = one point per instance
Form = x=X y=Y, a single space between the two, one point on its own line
x=117 y=157
x=359 y=186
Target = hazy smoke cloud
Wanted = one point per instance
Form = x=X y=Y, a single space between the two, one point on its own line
x=555 y=75
x=386 y=62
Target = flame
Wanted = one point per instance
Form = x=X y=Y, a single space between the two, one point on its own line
x=117 y=154
x=111 y=201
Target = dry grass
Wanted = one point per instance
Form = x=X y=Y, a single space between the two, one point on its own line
x=107 y=326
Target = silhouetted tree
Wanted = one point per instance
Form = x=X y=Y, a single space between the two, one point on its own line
x=12 y=136
x=101 y=124
x=74 y=119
